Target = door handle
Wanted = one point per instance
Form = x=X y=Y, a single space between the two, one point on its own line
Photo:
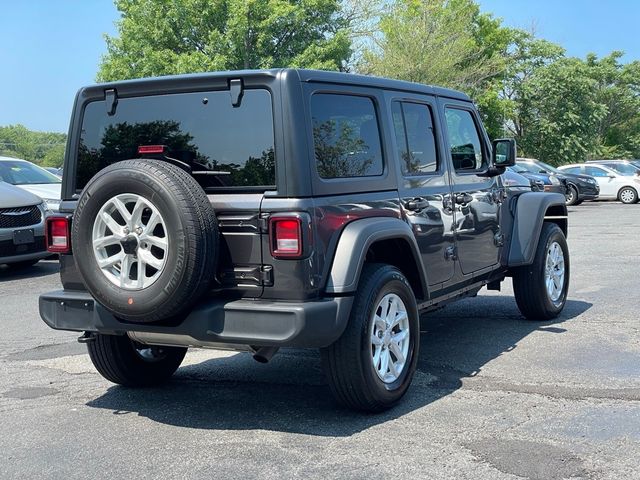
x=417 y=204
x=463 y=198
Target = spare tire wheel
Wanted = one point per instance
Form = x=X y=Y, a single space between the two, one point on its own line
x=145 y=240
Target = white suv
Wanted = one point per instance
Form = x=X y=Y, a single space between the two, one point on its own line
x=613 y=185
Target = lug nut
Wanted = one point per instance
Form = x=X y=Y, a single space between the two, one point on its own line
x=139 y=230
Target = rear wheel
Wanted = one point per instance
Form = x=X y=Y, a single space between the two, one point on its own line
x=628 y=195
x=370 y=367
x=541 y=288
x=120 y=360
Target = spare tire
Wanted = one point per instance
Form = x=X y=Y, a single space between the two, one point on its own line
x=145 y=240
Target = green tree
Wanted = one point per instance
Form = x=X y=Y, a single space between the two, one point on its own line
x=559 y=112
x=434 y=42
x=162 y=37
x=617 y=88
x=20 y=142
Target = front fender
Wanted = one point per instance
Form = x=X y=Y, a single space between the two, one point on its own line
x=354 y=243
x=529 y=214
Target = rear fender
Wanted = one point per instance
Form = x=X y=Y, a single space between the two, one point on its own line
x=354 y=244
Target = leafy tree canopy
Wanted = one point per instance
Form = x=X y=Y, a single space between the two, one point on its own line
x=162 y=37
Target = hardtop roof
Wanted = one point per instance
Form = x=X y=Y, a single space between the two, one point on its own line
x=304 y=76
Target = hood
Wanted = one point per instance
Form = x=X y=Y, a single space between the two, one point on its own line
x=543 y=177
x=576 y=176
x=44 y=190
x=13 y=197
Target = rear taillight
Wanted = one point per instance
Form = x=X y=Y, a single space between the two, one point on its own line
x=286 y=237
x=58 y=234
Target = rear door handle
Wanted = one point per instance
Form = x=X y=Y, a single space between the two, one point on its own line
x=417 y=203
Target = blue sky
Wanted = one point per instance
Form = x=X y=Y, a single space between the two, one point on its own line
x=51 y=48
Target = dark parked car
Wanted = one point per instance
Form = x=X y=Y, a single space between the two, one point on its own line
x=579 y=187
x=289 y=208
x=513 y=179
x=549 y=182
x=22 y=217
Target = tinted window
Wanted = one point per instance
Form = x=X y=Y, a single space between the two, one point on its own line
x=413 y=124
x=595 y=172
x=20 y=172
x=464 y=141
x=575 y=170
x=225 y=146
x=345 y=136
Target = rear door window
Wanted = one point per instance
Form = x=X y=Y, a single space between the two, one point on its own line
x=346 y=136
x=595 y=171
x=227 y=147
x=415 y=138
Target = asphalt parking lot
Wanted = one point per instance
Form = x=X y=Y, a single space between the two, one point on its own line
x=495 y=396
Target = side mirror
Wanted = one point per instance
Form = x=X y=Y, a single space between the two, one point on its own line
x=504 y=152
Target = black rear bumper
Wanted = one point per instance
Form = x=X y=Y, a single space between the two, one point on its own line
x=241 y=322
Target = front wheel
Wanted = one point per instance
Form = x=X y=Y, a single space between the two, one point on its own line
x=572 y=195
x=120 y=360
x=370 y=367
x=541 y=288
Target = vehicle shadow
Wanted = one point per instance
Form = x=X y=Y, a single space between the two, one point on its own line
x=40 y=269
x=290 y=393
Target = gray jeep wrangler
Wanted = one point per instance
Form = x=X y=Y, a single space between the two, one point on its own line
x=255 y=210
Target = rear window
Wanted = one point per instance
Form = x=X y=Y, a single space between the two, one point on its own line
x=345 y=136
x=226 y=147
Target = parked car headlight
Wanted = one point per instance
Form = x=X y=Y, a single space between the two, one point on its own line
x=554 y=180
x=52 y=204
x=592 y=181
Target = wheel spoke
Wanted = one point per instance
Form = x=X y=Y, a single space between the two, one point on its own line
x=397 y=351
x=146 y=257
x=400 y=336
x=122 y=209
x=393 y=367
x=375 y=340
x=106 y=241
x=393 y=310
x=379 y=323
x=114 y=226
x=141 y=272
x=125 y=270
x=136 y=215
x=384 y=363
x=110 y=261
x=154 y=219
x=400 y=317
x=159 y=242
x=376 y=357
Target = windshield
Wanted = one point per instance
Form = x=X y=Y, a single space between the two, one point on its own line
x=20 y=172
x=528 y=167
x=547 y=167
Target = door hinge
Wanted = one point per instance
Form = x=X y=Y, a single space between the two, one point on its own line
x=498 y=239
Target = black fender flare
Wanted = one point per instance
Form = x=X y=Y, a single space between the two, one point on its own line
x=354 y=243
x=530 y=213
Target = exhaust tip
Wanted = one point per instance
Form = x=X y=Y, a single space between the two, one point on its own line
x=264 y=354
